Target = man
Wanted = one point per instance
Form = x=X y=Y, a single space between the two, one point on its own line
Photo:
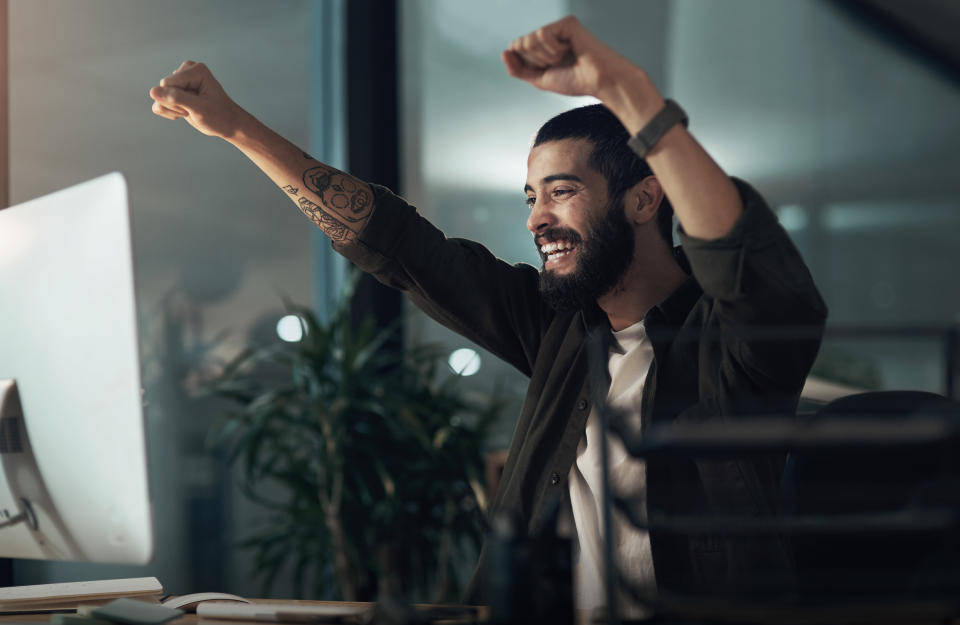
x=682 y=346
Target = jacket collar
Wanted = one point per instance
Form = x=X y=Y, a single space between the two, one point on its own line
x=672 y=311
x=676 y=306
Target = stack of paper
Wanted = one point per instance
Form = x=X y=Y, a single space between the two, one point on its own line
x=70 y=595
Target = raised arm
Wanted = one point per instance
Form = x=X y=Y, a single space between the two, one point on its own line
x=564 y=57
x=336 y=202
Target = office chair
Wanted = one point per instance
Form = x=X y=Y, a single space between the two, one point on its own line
x=917 y=482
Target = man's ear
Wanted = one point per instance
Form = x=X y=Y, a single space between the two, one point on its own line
x=643 y=200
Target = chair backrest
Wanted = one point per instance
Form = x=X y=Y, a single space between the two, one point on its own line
x=897 y=403
x=876 y=480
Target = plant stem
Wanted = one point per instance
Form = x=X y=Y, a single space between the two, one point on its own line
x=331 y=511
x=348 y=589
x=443 y=556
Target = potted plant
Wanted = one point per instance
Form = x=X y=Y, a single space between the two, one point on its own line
x=359 y=452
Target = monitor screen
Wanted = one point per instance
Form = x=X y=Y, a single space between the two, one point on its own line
x=73 y=470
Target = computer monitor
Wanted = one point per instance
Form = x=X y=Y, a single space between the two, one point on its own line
x=73 y=470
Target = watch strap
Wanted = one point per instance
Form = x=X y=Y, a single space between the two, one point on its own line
x=668 y=117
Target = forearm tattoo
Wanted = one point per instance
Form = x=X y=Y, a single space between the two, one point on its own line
x=345 y=196
x=346 y=202
x=331 y=226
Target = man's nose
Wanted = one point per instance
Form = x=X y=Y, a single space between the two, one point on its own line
x=541 y=217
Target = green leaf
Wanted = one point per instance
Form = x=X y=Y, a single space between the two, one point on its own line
x=340 y=406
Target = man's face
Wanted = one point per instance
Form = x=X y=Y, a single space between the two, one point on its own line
x=585 y=242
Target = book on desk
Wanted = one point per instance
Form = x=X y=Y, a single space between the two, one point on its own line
x=67 y=596
x=84 y=598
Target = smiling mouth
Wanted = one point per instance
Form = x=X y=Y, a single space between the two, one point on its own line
x=555 y=250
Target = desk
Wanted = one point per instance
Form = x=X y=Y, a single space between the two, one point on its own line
x=480 y=614
x=483 y=616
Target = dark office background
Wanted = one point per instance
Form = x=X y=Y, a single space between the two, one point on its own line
x=846 y=115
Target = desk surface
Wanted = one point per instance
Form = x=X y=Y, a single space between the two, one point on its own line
x=471 y=615
x=480 y=615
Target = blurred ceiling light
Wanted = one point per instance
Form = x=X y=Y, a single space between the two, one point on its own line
x=880 y=215
x=464 y=361
x=290 y=328
x=793 y=217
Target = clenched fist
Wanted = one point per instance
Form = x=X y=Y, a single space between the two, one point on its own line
x=564 y=57
x=191 y=92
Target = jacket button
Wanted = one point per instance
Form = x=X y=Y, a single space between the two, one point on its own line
x=554 y=478
x=582 y=404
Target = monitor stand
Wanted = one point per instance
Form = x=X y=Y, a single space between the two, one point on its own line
x=26 y=506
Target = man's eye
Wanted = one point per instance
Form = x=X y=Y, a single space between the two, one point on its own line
x=530 y=201
x=557 y=192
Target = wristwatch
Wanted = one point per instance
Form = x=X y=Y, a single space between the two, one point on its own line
x=668 y=117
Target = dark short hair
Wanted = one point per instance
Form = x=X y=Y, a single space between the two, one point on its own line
x=611 y=155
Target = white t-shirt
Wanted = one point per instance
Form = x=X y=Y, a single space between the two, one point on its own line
x=631 y=354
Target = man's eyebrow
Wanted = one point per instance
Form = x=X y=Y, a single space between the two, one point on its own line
x=552 y=178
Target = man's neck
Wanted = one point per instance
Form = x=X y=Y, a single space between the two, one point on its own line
x=646 y=283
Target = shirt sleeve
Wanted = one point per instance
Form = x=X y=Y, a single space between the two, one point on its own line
x=457 y=282
x=766 y=300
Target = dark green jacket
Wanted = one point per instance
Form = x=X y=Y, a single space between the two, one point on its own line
x=715 y=356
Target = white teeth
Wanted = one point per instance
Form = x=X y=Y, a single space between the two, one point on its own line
x=556 y=246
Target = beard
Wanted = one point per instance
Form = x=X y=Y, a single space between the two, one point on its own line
x=602 y=259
